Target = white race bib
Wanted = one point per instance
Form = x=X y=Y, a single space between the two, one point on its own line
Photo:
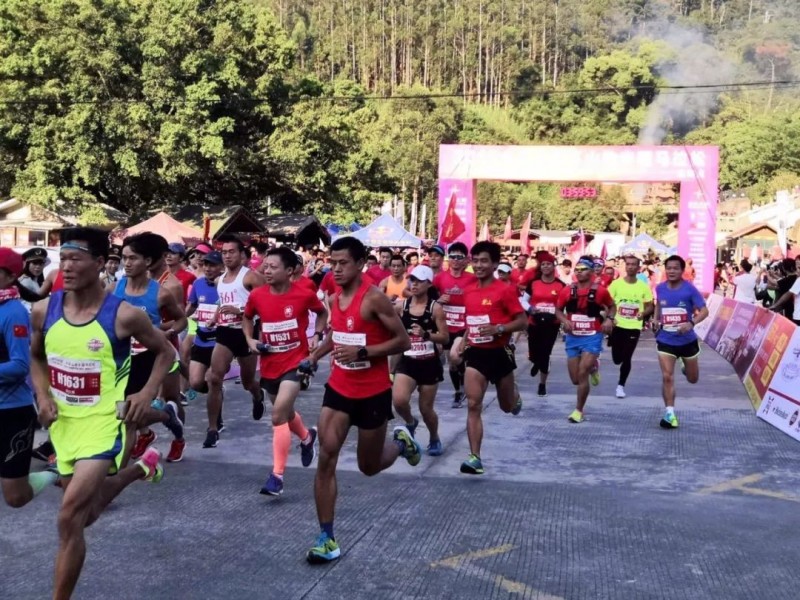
x=543 y=307
x=234 y=321
x=474 y=323
x=671 y=318
x=628 y=310
x=454 y=315
x=75 y=382
x=583 y=324
x=205 y=314
x=420 y=348
x=281 y=336
x=341 y=338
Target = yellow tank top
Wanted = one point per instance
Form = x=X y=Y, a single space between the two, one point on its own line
x=88 y=364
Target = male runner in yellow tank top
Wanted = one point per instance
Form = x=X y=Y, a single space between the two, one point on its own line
x=80 y=350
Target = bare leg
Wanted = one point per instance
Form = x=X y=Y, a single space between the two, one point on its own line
x=585 y=366
x=221 y=359
x=475 y=386
x=375 y=452
x=667 y=364
x=402 y=389
x=427 y=395
x=332 y=429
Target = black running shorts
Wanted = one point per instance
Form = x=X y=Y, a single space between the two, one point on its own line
x=427 y=371
x=234 y=340
x=271 y=386
x=201 y=354
x=686 y=351
x=364 y=413
x=16 y=441
x=492 y=363
x=141 y=366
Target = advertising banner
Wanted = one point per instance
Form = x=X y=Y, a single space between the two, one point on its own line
x=768 y=357
x=781 y=404
x=720 y=323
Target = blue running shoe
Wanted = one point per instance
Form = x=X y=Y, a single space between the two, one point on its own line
x=273 y=487
x=324 y=551
x=435 y=448
x=174 y=424
x=412 y=427
x=309 y=451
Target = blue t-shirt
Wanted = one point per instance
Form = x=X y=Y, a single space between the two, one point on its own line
x=15 y=355
x=677 y=306
x=204 y=298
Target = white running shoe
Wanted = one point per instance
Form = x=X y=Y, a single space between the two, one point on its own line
x=620 y=391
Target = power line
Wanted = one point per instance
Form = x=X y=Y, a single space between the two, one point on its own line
x=710 y=88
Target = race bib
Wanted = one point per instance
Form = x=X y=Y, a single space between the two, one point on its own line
x=671 y=318
x=75 y=382
x=583 y=324
x=420 y=348
x=454 y=315
x=351 y=339
x=137 y=347
x=544 y=307
x=234 y=321
x=474 y=323
x=205 y=314
x=282 y=336
x=628 y=310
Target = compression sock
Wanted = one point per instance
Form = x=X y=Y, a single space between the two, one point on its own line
x=297 y=427
x=455 y=377
x=281 y=442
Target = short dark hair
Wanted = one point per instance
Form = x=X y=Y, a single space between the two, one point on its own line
x=261 y=247
x=491 y=248
x=96 y=239
x=746 y=266
x=353 y=245
x=229 y=238
x=456 y=246
x=679 y=259
x=372 y=257
x=384 y=250
x=566 y=263
x=288 y=258
x=631 y=256
x=789 y=265
x=398 y=257
x=410 y=254
x=147 y=244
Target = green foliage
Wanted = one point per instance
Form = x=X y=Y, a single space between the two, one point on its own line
x=92 y=214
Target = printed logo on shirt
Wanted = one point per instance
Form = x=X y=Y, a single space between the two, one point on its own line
x=486 y=302
x=350 y=323
x=20 y=331
x=288 y=311
x=95 y=345
x=201 y=298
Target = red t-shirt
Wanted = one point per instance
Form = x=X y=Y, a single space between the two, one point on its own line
x=284 y=320
x=581 y=323
x=446 y=283
x=328 y=284
x=187 y=279
x=544 y=297
x=377 y=274
x=307 y=283
x=495 y=304
x=526 y=277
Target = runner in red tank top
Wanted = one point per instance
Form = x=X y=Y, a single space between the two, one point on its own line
x=365 y=331
x=283 y=306
x=493 y=313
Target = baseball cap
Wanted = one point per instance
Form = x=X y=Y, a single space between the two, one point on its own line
x=176 y=248
x=504 y=268
x=12 y=262
x=436 y=248
x=422 y=273
x=203 y=248
x=214 y=257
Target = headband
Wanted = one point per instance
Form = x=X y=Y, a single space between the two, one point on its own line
x=586 y=263
x=75 y=246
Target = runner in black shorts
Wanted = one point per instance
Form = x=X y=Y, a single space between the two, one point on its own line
x=420 y=366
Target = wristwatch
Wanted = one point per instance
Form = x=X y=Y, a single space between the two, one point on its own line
x=362 y=353
x=320 y=335
x=501 y=329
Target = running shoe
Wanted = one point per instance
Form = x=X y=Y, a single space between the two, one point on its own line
x=151 y=464
x=309 y=451
x=669 y=421
x=518 y=406
x=142 y=442
x=176 y=451
x=273 y=486
x=412 y=451
x=174 y=424
x=473 y=465
x=182 y=399
x=620 y=391
x=458 y=400
x=212 y=437
x=575 y=416
x=542 y=390
x=594 y=376
x=534 y=370
x=324 y=551
x=259 y=407
x=52 y=464
x=220 y=424
x=412 y=428
x=43 y=451
x=435 y=448
x=305 y=381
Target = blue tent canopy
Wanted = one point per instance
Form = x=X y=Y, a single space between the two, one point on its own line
x=643 y=243
x=385 y=231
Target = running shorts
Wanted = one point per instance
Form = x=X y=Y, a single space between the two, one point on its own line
x=686 y=351
x=234 y=340
x=141 y=366
x=201 y=354
x=364 y=413
x=427 y=371
x=579 y=344
x=492 y=363
x=16 y=441
x=95 y=437
x=271 y=386
x=453 y=337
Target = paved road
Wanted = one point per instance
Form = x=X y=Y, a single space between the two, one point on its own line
x=612 y=508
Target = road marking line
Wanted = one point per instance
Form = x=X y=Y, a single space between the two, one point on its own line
x=454 y=562
x=741 y=485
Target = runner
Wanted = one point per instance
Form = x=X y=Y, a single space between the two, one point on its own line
x=80 y=349
x=521 y=267
x=17 y=414
x=282 y=307
x=188 y=394
x=381 y=271
x=365 y=331
x=492 y=314
x=174 y=261
x=202 y=308
x=581 y=308
x=679 y=307
x=541 y=296
x=435 y=259
x=565 y=271
x=420 y=367
x=451 y=286
x=634 y=302
x=137 y=289
x=395 y=286
x=234 y=288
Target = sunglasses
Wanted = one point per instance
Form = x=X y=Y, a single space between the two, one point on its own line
x=456 y=256
x=581 y=269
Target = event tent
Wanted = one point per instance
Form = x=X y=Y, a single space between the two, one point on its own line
x=385 y=231
x=164 y=225
x=643 y=243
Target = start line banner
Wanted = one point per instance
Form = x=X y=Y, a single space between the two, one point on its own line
x=764 y=349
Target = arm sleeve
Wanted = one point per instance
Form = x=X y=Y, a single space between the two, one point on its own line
x=512 y=303
x=647 y=293
x=193 y=296
x=17 y=336
x=562 y=299
x=250 y=307
x=697 y=299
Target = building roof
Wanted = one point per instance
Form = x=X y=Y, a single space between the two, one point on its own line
x=752 y=228
x=224 y=219
x=303 y=229
x=163 y=225
x=60 y=217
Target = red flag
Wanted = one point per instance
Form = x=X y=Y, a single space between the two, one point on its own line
x=578 y=248
x=524 y=234
x=484 y=235
x=507 y=232
x=604 y=250
x=453 y=226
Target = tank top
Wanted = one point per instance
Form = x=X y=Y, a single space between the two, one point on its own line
x=232 y=294
x=148 y=302
x=395 y=289
x=420 y=347
x=88 y=364
x=363 y=378
x=58 y=282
